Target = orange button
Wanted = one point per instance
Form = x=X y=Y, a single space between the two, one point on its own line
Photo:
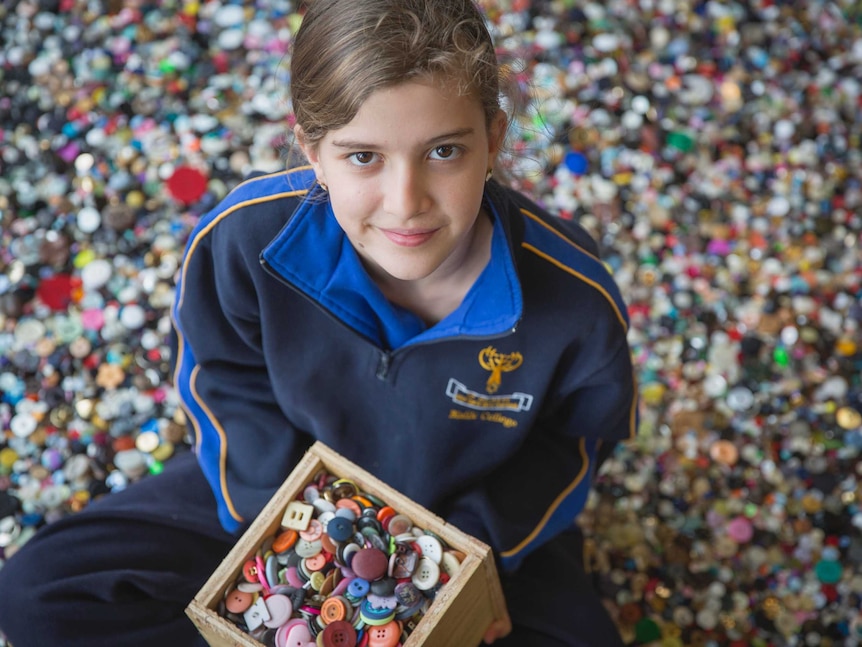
x=315 y=563
x=333 y=609
x=724 y=452
x=238 y=601
x=387 y=635
x=385 y=513
x=285 y=541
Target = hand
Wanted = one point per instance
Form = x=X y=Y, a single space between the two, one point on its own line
x=499 y=629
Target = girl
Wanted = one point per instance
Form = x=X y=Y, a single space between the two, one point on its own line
x=392 y=300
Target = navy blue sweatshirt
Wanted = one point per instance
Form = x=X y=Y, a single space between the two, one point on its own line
x=491 y=418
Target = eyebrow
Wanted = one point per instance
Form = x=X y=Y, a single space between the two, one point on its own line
x=358 y=145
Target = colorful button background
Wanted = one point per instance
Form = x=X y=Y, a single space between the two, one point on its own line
x=712 y=148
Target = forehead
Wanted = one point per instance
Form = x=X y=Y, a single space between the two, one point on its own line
x=412 y=111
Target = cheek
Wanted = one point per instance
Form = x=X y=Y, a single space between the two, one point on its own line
x=352 y=206
x=351 y=219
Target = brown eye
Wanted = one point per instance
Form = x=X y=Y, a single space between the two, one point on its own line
x=362 y=158
x=445 y=152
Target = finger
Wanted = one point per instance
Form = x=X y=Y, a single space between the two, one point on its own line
x=498 y=629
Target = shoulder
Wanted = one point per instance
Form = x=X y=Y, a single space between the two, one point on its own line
x=565 y=250
x=258 y=207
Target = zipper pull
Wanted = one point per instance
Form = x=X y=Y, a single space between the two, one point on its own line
x=383 y=366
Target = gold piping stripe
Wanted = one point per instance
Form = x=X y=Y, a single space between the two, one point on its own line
x=539 y=221
x=585 y=279
x=181 y=342
x=222 y=460
x=203 y=232
x=633 y=415
x=560 y=498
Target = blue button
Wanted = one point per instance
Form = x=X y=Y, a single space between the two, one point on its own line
x=358 y=587
x=339 y=529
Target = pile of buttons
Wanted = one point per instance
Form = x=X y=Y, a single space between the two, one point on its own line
x=712 y=148
x=345 y=569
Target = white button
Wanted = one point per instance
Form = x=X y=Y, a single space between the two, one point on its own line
x=431 y=548
x=256 y=614
x=9 y=531
x=131 y=462
x=249 y=587
x=88 y=220
x=22 y=425
x=297 y=515
x=427 y=574
x=29 y=331
x=322 y=505
x=96 y=273
x=450 y=564
x=305 y=548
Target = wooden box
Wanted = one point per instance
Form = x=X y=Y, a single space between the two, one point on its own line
x=461 y=612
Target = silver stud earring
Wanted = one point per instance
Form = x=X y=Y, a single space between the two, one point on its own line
x=489 y=174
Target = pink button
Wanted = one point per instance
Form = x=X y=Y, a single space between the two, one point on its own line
x=280 y=609
x=740 y=530
x=93 y=319
x=294 y=634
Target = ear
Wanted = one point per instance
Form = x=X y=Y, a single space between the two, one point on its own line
x=311 y=152
x=496 y=136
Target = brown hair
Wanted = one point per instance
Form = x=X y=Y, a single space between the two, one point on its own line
x=347 y=49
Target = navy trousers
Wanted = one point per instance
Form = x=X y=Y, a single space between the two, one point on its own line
x=122 y=571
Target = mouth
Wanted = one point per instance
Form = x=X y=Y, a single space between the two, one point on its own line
x=409 y=237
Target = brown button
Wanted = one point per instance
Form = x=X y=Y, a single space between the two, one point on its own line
x=370 y=564
x=118 y=216
x=402 y=562
x=630 y=613
x=339 y=634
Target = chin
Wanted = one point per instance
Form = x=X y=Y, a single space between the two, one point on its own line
x=402 y=273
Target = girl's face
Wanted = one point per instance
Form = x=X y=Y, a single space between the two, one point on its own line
x=406 y=178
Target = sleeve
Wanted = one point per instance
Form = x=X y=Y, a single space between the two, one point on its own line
x=243 y=440
x=540 y=491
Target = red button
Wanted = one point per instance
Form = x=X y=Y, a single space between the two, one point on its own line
x=187 y=184
x=249 y=571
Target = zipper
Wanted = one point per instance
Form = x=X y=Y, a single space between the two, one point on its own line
x=384 y=363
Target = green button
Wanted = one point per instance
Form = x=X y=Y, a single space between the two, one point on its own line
x=828 y=571
x=681 y=141
x=646 y=631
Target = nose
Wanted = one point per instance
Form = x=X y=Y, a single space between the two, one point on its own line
x=406 y=192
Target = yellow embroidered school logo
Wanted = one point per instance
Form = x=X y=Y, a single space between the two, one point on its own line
x=490 y=403
x=498 y=363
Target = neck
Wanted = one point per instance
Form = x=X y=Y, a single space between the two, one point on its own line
x=435 y=297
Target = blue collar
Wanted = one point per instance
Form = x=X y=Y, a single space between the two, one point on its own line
x=313 y=253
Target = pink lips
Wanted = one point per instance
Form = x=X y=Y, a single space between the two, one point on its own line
x=409 y=237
